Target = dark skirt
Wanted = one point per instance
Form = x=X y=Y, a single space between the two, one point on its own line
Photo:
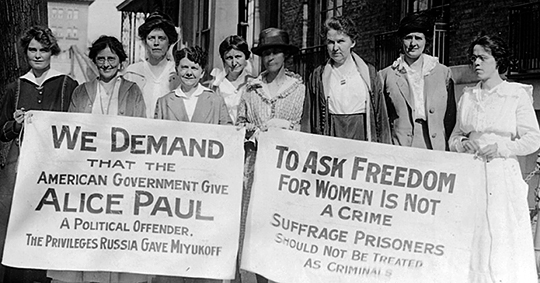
x=349 y=126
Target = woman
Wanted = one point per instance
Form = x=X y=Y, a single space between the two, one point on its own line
x=345 y=92
x=155 y=76
x=42 y=88
x=274 y=99
x=419 y=90
x=231 y=83
x=192 y=102
x=109 y=94
x=496 y=122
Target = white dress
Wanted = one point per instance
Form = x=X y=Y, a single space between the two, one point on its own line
x=502 y=245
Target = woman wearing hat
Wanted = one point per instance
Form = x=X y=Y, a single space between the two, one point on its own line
x=345 y=92
x=155 y=76
x=273 y=100
x=419 y=90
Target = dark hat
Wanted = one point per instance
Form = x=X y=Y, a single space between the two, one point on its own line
x=273 y=37
x=420 y=22
x=159 y=20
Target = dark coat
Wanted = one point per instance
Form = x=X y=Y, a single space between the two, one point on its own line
x=315 y=118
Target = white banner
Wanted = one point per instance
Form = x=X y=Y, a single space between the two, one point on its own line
x=334 y=210
x=124 y=194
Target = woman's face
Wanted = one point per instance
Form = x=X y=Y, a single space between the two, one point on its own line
x=484 y=63
x=414 y=44
x=234 y=61
x=39 y=56
x=157 y=44
x=339 y=46
x=190 y=73
x=108 y=64
x=273 y=59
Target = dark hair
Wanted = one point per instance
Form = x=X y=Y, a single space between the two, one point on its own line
x=105 y=41
x=496 y=46
x=342 y=24
x=42 y=35
x=234 y=42
x=158 y=21
x=195 y=54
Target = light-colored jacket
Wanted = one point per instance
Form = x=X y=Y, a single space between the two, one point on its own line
x=210 y=109
x=440 y=105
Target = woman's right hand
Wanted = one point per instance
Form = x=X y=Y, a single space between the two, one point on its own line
x=18 y=115
x=470 y=146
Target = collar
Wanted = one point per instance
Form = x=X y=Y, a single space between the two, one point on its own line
x=429 y=64
x=118 y=77
x=200 y=89
x=51 y=73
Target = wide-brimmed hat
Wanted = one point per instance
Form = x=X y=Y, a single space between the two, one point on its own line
x=273 y=37
x=420 y=22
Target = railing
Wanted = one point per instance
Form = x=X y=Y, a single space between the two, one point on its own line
x=524 y=38
x=308 y=59
x=387 y=47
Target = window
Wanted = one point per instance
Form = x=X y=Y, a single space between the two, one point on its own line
x=75 y=33
x=69 y=14
x=331 y=8
x=413 y=6
x=54 y=13
x=59 y=32
x=75 y=14
x=60 y=13
x=203 y=25
x=68 y=35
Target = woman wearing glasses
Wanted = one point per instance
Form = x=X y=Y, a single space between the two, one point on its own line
x=496 y=122
x=109 y=94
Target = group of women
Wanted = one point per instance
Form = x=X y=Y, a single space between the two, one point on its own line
x=410 y=103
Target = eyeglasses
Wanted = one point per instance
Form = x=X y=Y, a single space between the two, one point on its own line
x=481 y=57
x=110 y=60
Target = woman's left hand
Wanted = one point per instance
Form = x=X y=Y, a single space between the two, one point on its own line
x=278 y=123
x=489 y=152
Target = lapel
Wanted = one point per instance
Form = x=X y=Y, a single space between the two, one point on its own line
x=327 y=72
x=177 y=108
x=202 y=108
x=363 y=69
x=123 y=91
x=403 y=86
x=91 y=90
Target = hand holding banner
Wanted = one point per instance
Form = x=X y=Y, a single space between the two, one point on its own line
x=111 y=193
x=335 y=210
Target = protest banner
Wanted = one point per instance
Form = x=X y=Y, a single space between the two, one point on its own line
x=334 y=210
x=112 y=193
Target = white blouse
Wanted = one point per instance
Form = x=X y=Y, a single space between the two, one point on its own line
x=503 y=115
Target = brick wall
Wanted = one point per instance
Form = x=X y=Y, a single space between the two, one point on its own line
x=466 y=19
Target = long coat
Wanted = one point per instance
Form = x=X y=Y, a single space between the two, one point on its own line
x=440 y=105
x=315 y=118
x=210 y=109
